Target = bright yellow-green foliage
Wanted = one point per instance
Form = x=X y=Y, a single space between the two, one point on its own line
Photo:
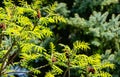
x=81 y=45
x=25 y=30
x=48 y=74
x=81 y=61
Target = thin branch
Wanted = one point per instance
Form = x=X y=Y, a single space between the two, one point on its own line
x=5 y=57
x=13 y=56
x=17 y=72
x=40 y=67
x=0 y=39
x=68 y=64
x=29 y=71
x=69 y=67
x=68 y=71
x=4 y=64
x=65 y=72
x=35 y=24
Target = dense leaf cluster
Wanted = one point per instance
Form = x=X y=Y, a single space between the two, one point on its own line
x=43 y=38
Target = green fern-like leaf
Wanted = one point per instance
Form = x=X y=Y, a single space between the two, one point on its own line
x=28 y=47
x=103 y=74
x=29 y=57
x=56 y=70
x=80 y=45
x=49 y=74
x=81 y=60
x=52 y=47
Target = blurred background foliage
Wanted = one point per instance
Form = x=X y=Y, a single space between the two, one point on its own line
x=94 y=21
